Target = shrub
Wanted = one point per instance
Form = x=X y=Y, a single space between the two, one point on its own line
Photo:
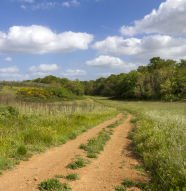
x=50 y=184
x=35 y=92
x=8 y=111
x=22 y=150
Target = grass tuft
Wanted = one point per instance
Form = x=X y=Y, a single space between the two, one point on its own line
x=50 y=184
x=95 y=145
x=22 y=150
x=128 y=183
x=120 y=188
x=72 y=176
x=140 y=168
x=78 y=163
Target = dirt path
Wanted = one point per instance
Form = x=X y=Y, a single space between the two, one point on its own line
x=102 y=174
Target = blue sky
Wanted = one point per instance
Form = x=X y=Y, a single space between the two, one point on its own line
x=87 y=39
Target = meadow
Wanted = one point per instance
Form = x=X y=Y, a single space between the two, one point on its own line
x=27 y=128
x=159 y=139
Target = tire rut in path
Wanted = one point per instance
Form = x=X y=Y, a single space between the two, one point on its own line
x=101 y=175
x=106 y=172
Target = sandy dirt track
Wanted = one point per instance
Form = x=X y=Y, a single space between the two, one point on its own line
x=101 y=175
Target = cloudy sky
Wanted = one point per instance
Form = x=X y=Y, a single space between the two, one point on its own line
x=87 y=39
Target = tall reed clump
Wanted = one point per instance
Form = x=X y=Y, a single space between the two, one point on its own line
x=36 y=126
x=160 y=140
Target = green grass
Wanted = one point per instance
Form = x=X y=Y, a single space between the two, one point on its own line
x=134 y=120
x=120 y=188
x=96 y=145
x=128 y=183
x=113 y=125
x=59 y=176
x=70 y=176
x=53 y=184
x=78 y=162
x=38 y=126
x=159 y=139
x=140 y=168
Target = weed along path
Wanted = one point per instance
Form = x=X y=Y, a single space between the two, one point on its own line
x=114 y=164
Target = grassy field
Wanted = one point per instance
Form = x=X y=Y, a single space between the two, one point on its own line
x=26 y=128
x=159 y=139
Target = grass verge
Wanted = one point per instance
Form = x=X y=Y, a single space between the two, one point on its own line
x=26 y=128
x=159 y=139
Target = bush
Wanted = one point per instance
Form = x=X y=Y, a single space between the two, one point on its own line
x=60 y=92
x=22 y=150
x=8 y=111
x=50 y=184
x=35 y=92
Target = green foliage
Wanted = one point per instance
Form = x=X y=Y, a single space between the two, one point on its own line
x=53 y=184
x=43 y=125
x=8 y=111
x=140 y=168
x=159 y=80
x=72 y=176
x=120 y=188
x=22 y=150
x=95 y=145
x=128 y=183
x=134 y=120
x=92 y=155
x=60 y=91
x=59 y=176
x=142 y=185
x=113 y=125
x=78 y=163
x=159 y=139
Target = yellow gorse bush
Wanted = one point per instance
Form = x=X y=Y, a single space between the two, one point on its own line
x=35 y=92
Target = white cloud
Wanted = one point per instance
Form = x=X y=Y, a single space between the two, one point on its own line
x=12 y=69
x=8 y=59
x=44 y=68
x=23 y=7
x=75 y=2
x=164 y=46
x=44 y=5
x=28 y=1
x=111 y=62
x=66 y=4
x=105 y=62
x=73 y=73
x=40 y=40
x=168 y=19
x=118 y=46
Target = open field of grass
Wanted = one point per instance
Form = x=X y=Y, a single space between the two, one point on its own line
x=159 y=139
x=26 y=128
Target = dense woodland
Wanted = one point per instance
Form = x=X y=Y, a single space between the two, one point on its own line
x=159 y=80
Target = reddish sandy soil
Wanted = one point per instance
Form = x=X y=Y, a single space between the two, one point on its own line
x=101 y=175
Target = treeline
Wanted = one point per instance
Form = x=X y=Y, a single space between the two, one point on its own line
x=22 y=84
x=160 y=79
x=61 y=87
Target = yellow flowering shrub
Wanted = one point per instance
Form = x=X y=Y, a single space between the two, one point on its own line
x=35 y=92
